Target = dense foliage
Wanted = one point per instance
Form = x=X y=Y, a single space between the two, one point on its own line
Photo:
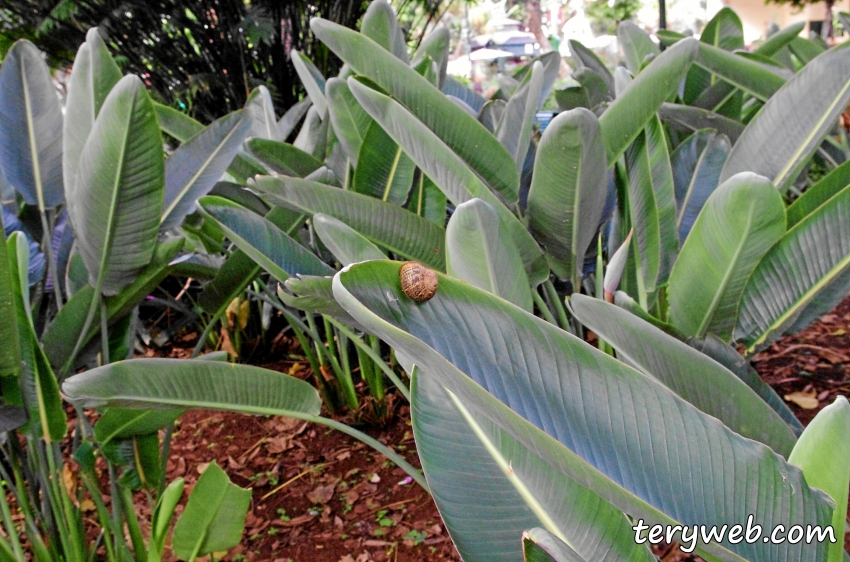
x=648 y=212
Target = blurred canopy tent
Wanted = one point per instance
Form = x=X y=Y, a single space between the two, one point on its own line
x=203 y=56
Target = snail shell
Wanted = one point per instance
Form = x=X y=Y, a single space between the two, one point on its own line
x=417 y=281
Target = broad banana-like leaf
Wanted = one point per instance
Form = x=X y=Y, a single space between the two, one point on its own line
x=585 y=58
x=539 y=545
x=594 y=86
x=264 y=242
x=750 y=76
x=447 y=170
x=194 y=168
x=151 y=383
x=740 y=222
x=313 y=135
x=234 y=275
x=381 y=26
x=694 y=119
x=823 y=452
x=10 y=362
x=122 y=423
x=479 y=250
x=636 y=44
x=312 y=79
x=59 y=337
x=93 y=76
x=349 y=120
x=386 y=225
x=696 y=165
x=462 y=133
x=39 y=386
x=587 y=415
x=426 y=200
x=551 y=63
x=801 y=278
x=118 y=193
x=724 y=31
x=780 y=39
x=314 y=294
x=30 y=127
x=452 y=87
x=793 y=122
x=571 y=98
x=436 y=46
x=517 y=123
x=728 y=356
x=568 y=190
x=283 y=158
x=486 y=507
x=695 y=377
x=384 y=171
x=627 y=116
x=818 y=194
x=293 y=116
x=346 y=244
x=177 y=124
x=259 y=104
x=214 y=518
x=652 y=204
x=804 y=49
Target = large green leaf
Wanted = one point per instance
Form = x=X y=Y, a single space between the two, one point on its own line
x=214 y=517
x=392 y=227
x=312 y=79
x=627 y=116
x=804 y=49
x=264 y=242
x=741 y=221
x=779 y=39
x=346 y=244
x=283 y=158
x=117 y=198
x=750 y=76
x=479 y=251
x=636 y=44
x=122 y=423
x=694 y=119
x=728 y=356
x=384 y=171
x=194 y=168
x=381 y=26
x=177 y=124
x=568 y=190
x=695 y=377
x=347 y=117
x=652 y=204
x=261 y=107
x=10 y=362
x=435 y=45
x=818 y=194
x=539 y=545
x=823 y=452
x=585 y=58
x=293 y=116
x=587 y=415
x=93 y=76
x=426 y=200
x=447 y=170
x=793 y=122
x=461 y=132
x=479 y=500
x=517 y=123
x=696 y=165
x=801 y=278
x=30 y=127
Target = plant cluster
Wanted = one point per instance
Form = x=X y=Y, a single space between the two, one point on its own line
x=653 y=210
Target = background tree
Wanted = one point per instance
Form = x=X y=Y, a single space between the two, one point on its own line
x=828 y=30
x=606 y=15
x=202 y=56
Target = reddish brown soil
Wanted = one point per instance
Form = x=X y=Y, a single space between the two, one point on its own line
x=321 y=496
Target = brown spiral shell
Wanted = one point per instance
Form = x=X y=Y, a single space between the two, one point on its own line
x=417 y=281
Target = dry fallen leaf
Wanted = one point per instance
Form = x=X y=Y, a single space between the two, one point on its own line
x=322 y=494
x=805 y=400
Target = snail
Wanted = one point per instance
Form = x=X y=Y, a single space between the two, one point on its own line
x=417 y=281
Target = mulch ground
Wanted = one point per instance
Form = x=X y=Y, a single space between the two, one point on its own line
x=321 y=496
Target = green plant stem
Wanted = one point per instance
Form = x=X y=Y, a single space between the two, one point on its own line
x=51 y=259
x=544 y=309
x=338 y=355
x=374 y=443
x=11 y=530
x=63 y=372
x=374 y=356
x=207 y=329
x=104 y=333
x=133 y=524
x=117 y=523
x=556 y=304
x=166 y=451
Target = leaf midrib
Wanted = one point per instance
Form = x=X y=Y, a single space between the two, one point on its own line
x=36 y=166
